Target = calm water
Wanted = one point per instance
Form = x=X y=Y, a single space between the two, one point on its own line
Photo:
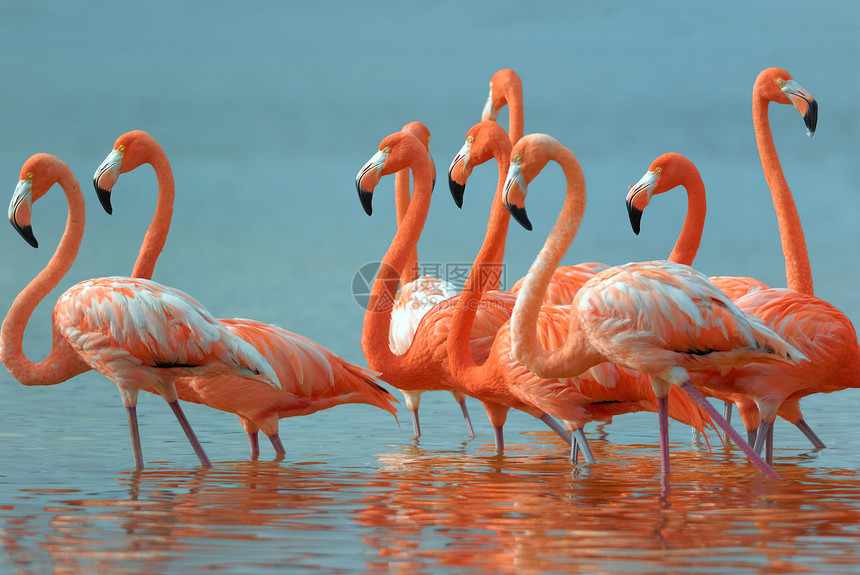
x=267 y=112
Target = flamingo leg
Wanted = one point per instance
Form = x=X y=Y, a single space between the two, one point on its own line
x=751 y=435
x=582 y=443
x=727 y=413
x=189 y=433
x=500 y=439
x=469 y=427
x=761 y=437
x=557 y=427
x=663 y=413
x=416 y=425
x=574 y=451
x=131 y=411
x=697 y=396
x=276 y=443
x=810 y=435
x=254 y=445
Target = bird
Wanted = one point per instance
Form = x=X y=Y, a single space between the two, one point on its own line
x=660 y=318
x=665 y=173
x=506 y=88
x=136 y=332
x=418 y=293
x=774 y=85
x=424 y=366
x=311 y=377
x=500 y=378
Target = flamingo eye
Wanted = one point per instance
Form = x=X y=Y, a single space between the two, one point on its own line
x=29 y=175
x=780 y=82
x=121 y=149
x=386 y=150
x=470 y=140
x=518 y=158
x=658 y=171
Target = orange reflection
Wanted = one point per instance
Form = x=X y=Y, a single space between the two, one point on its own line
x=421 y=511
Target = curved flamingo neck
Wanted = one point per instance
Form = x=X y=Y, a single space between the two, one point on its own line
x=515 y=116
x=377 y=318
x=62 y=362
x=483 y=276
x=524 y=330
x=687 y=245
x=156 y=234
x=401 y=202
x=798 y=274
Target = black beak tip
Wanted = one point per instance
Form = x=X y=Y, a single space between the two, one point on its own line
x=366 y=200
x=457 y=191
x=104 y=199
x=635 y=217
x=811 y=117
x=27 y=233
x=520 y=215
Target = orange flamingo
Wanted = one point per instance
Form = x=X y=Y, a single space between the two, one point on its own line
x=666 y=173
x=311 y=377
x=500 y=377
x=417 y=294
x=506 y=88
x=659 y=318
x=424 y=366
x=134 y=331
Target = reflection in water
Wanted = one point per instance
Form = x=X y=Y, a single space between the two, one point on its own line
x=421 y=511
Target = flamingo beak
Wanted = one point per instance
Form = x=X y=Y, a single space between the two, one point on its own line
x=21 y=201
x=639 y=196
x=804 y=102
x=106 y=176
x=461 y=160
x=516 y=182
x=367 y=178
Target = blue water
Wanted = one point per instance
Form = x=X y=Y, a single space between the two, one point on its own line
x=267 y=111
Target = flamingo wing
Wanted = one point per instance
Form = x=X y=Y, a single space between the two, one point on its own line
x=123 y=323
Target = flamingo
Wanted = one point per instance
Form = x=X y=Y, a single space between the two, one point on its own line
x=417 y=294
x=506 y=88
x=661 y=319
x=500 y=376
x=424 y=366
x=311 y=377
x=665 y=173
x=136 y=332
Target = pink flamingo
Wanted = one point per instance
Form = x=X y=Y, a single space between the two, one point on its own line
x=659 y=318
x=417 y=294
x=311 y=377
x=424 y=366
x=667 y=172
x=500 y=379
x=136 y=332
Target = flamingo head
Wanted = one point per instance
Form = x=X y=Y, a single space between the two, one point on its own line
x=777 y=85
x=502 y=83
x=38 y=174
x=421 y=132
x=484 y=140
x=129 y=151
x=396 y=152
x=528 y=158
x=668 y=171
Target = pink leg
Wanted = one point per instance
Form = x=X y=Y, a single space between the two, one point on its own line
x=696 y=396
x=768 y=447
x=416 y=426
x=131 y=411
x=500 y=440
x=727 y=412
x=557 y=427
x=751 y=435
x=254 y=444
x=574 y=451
x=810 y=435
x=189 y=433
x=582 y=444
x=468 y=420
x=663 y=413
x=276 y=443
x=761 y=437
